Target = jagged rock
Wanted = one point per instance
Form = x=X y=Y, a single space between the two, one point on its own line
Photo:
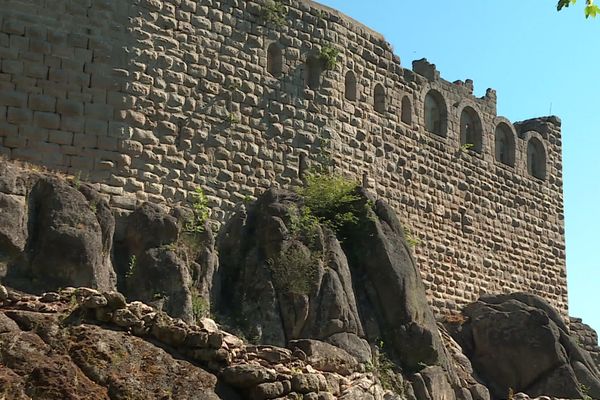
x=317 y=306
x=13 y=226
x=165 y=265
x=67 y=243
x=326 y=305
x=161 y=278
x=518 y=341
x=432 y=383
x=326 y=357
x=247 y=376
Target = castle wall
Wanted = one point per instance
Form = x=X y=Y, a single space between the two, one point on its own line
x=151 y=98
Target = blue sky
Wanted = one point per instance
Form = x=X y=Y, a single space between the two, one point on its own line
x=540 y=62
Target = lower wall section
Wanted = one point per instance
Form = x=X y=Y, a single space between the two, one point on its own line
x=587 y=338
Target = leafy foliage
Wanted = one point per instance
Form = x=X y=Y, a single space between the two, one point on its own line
x=329 y=56
x=273 y=12
x=294 y=270
x=590 y=10
x=330 y=198
x=200 y=212
x=200 y=307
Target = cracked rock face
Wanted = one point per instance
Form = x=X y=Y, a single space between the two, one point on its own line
x=518 y=341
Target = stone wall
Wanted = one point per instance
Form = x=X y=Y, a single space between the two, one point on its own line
x=151 y=98
x=586 y=337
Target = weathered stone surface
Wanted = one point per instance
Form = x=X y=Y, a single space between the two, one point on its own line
x=326 y=357
x=518 y=341
x=67 y=243
x=247 y=376
x=316 y=303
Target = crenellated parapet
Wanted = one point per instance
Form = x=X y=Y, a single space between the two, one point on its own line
x=152 y=99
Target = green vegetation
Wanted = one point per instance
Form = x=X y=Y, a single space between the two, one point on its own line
x=232 y=119
x=273 y=12
x=330 y=199
x=385 y=370
x=200 y=212
x=295 y=270
x=410 y=238
x=590 y=10
x=467 y=146
x=131 y=266
x=329 y=56
x=200 y=308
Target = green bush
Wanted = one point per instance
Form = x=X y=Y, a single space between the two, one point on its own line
x=200 y=211
x=273 y=12
x=295 y=270
x=329 y=56
x=331 y=199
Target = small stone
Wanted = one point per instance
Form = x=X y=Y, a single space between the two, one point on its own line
x=50 y=297
x=248 y=375
x=115 y=300
x=93 y=302
x=3 y=293
x=125 y=318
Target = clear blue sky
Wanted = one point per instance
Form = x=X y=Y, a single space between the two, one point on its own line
x=538 y=60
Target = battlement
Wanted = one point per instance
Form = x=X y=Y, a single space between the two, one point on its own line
x=152 y=99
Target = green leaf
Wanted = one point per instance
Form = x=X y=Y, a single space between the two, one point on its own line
x=591 y=10
x=564 y=3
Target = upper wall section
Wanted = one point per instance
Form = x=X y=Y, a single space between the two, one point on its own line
x=151 y=99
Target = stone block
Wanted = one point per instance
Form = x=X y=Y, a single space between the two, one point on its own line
x=13 y=26
x=46 y=120
x=70 y=107
x=96 y=127
x=108 y=143
x=100 y=111
x=14 y=142
x=33 y=134
x=72 y=124
x=13 y=98
x=14 y=67
x=7 y=129
x=35 y=70
x=19 y=116
x=20 y=43
x=61 y=137
x=41 y=102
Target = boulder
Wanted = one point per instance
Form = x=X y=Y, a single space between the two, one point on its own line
x=159 y=277
x=326 y=357
x=69 y=240
x=519 y=341
x=162 y=263
x=279 y=287
x=391 y=293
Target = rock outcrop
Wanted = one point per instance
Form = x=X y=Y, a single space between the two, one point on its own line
x=164 y=264
x=284 y=277
x=53 y=234
x=518 y=342
x=84 y=344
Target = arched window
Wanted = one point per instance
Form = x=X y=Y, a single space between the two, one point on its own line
x=435 y=113
x=505 y=145
x=379 y=98
x=406 y=115
x=536 y=158
x=274 y=60
x=350 y=86
x=312 y=75
x=470 y=129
